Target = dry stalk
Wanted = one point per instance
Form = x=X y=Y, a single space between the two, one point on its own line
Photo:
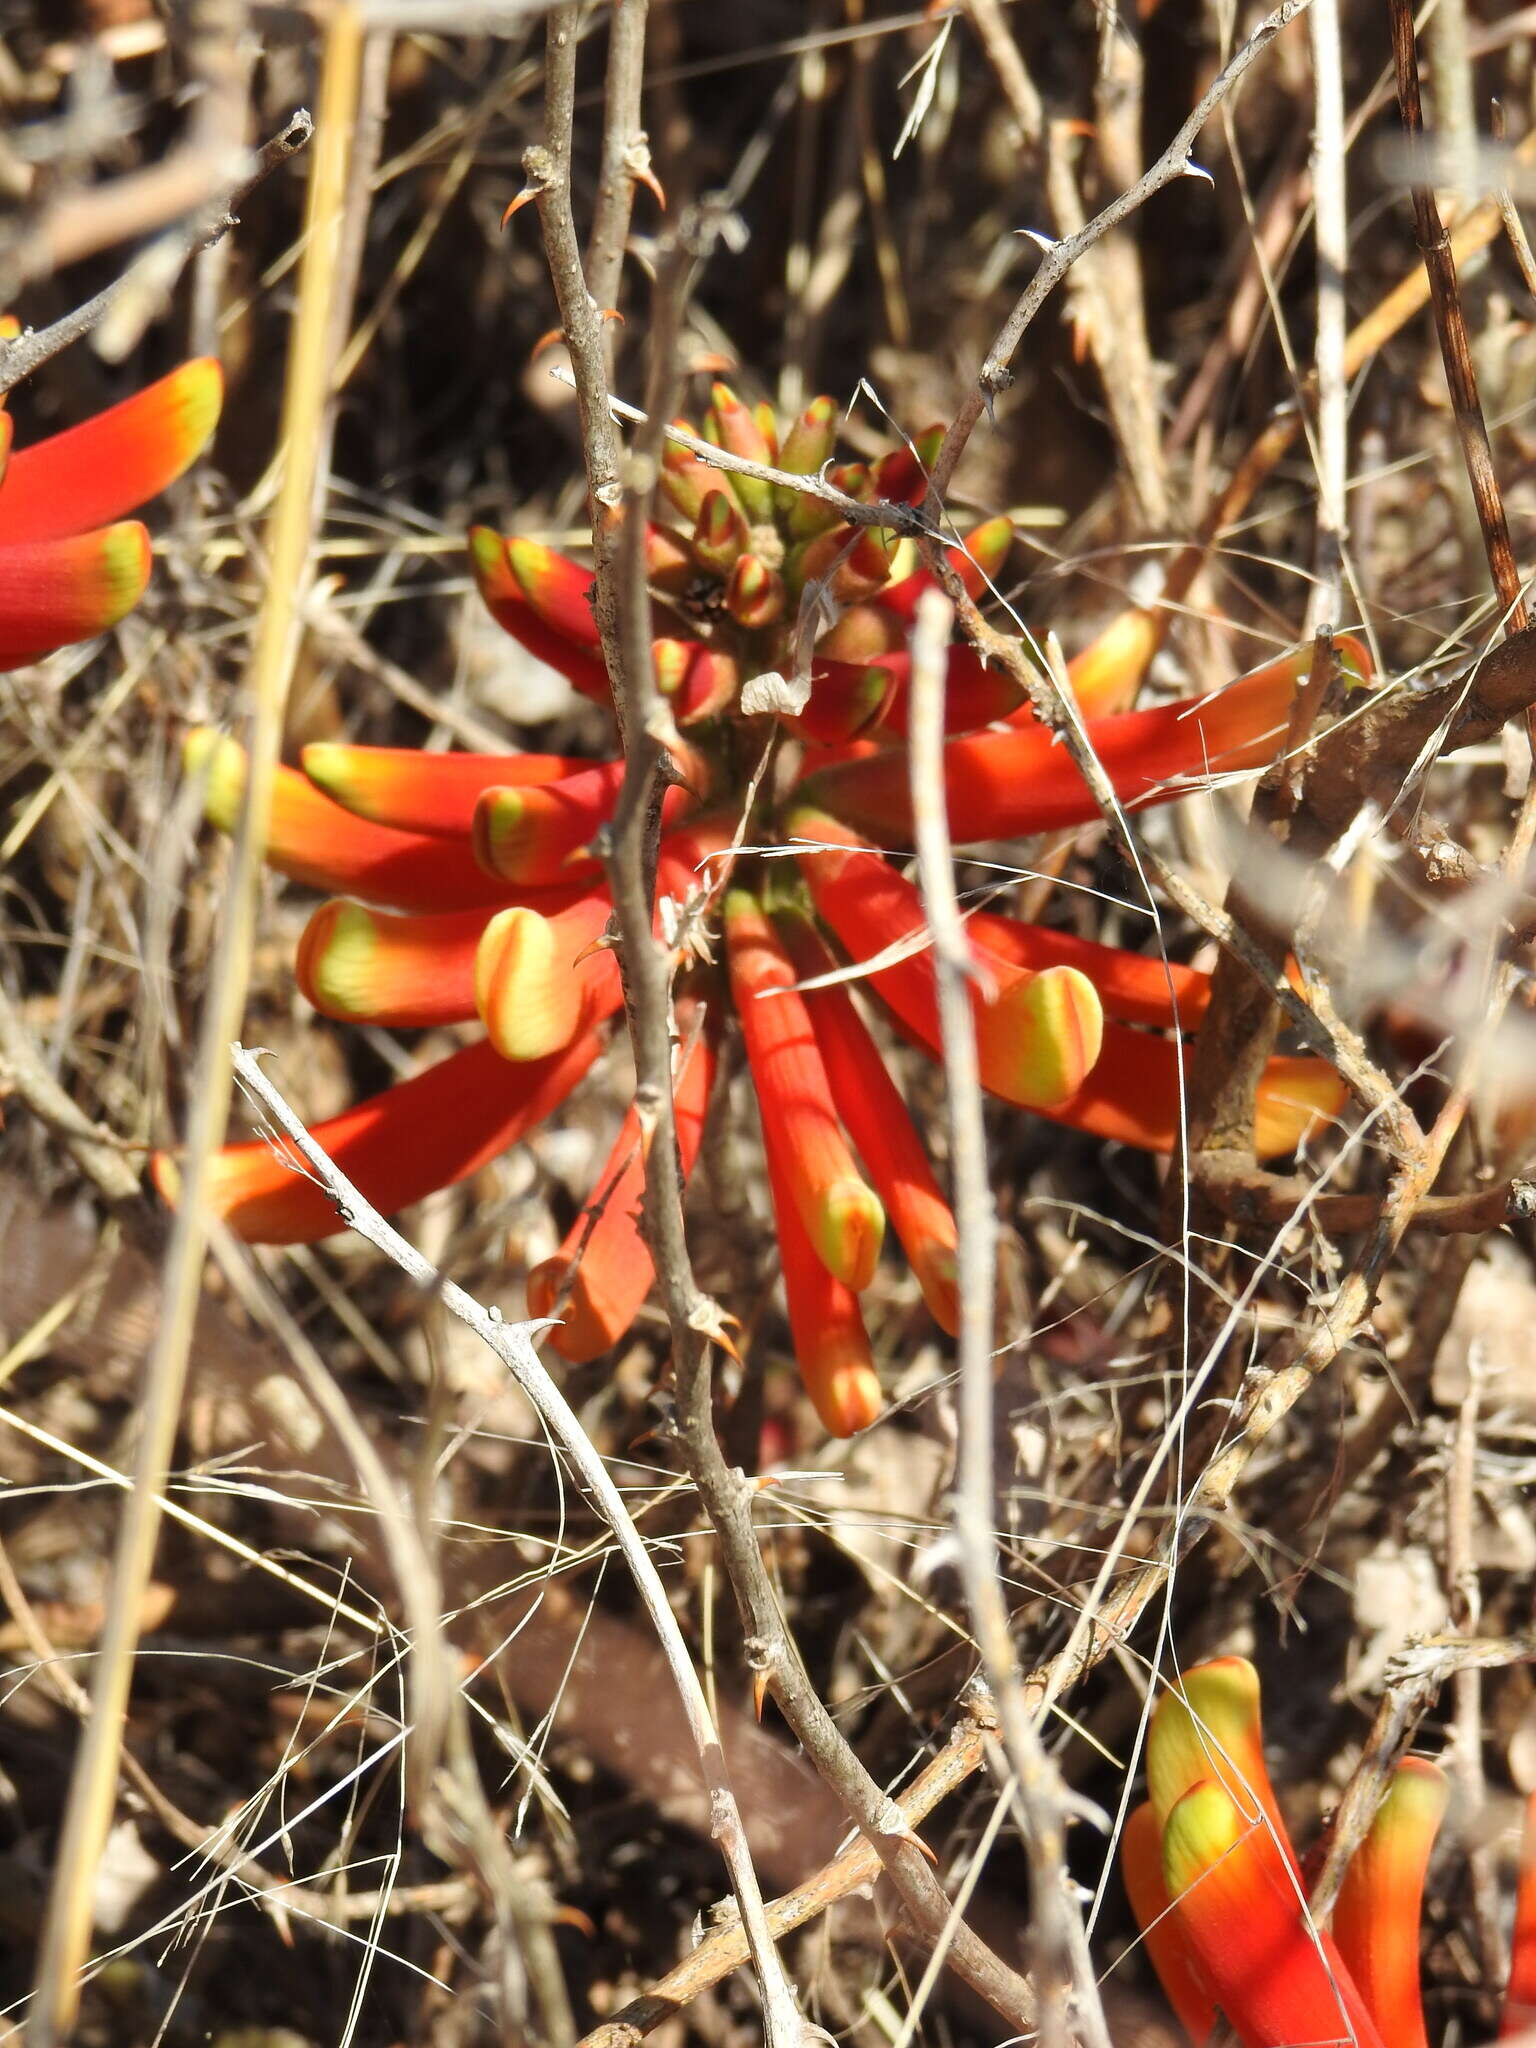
x=1330 y=214
x=1451 y=326
x=1038 y=1794
x=66 y=1931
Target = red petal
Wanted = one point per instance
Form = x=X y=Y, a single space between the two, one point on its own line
x=975 y=694
x=1376 y=1919
x=559 y=590
x=395 y=1148
x=605 y=1259
x=877 y=1120
x=831 y=1343
x=841 y=1214
x=1001 y=785
x=53 y=592
x=106 y=466
x=507 y=605
x=1279 y=1983
x=543 y=981
x=1141 y=1866
x=420 y=792
x=1209 y=1725
x=371 y=966
x=847 y=698
x=314 y=841
x=545 y=833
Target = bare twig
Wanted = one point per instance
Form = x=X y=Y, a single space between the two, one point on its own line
x=995 y=374
x=21 y=357
x=1042 y=1809
x=622 y=609
x=626 y=152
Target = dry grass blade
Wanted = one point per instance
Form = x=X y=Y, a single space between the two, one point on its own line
x=93 y=1785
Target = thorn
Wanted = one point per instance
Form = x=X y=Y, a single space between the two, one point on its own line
x=1045 y=242
x=1190 y=169
x=573 y=1916
x=759 y=1694
x=914 y=1840
x=647 y=177
x=608 y=313
x=605 y=942
x=547 y=339
x=528 y=194
x=764 y=1480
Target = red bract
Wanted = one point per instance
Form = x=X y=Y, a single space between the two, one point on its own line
x=70 y=564
x=471 y=887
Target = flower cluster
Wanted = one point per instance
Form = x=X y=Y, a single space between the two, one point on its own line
x=466 y=886
x=67 y=574
x=1219 y=1894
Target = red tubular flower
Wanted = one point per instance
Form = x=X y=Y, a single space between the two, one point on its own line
x=1520 y=1994
x=1376 y=1917
x=419 y=792
x=430 y=935
x=53 y=592
x=1141 y=1868
x=1037 y=1035
x=66 y=573
x=1130 y=1093
x=422 y=1134
x=842 y=1215
x=93 y=473
x=831 y=1343
x=604 y=1265
x=543 y=832
x=1003 y=785
x=314 y=841
x=373 y=966
x=974 y=695
x=853 y=880
x=876 y=1118
x=542 y=981
x=508 y=605
x=1208 y=1726
x=1279 y=1982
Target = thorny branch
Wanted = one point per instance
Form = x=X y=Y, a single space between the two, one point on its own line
x=19 y=358
x=1174 y=163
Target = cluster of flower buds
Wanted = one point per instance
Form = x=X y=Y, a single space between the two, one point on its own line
x=1220 y=1895
x=467 y=886
x=70 y=564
